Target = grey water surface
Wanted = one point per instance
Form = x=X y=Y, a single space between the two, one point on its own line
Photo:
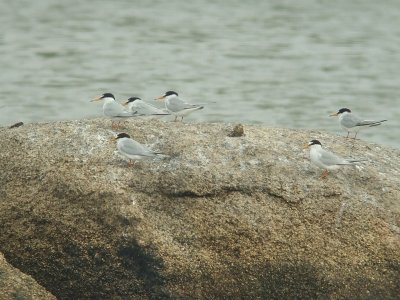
x=278 y=63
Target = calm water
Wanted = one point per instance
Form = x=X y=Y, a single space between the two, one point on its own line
x=280 y=63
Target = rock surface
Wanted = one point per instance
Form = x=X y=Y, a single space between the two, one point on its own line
x=221 y=217
x=16 y=285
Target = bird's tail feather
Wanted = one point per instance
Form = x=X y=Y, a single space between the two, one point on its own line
x=377 y=123
x=356 y=160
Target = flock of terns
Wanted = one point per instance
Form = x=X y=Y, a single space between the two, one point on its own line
x=135 y=107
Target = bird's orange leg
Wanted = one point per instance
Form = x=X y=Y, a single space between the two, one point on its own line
x=324 y=174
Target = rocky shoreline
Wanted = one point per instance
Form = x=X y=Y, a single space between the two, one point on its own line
x=226 y=215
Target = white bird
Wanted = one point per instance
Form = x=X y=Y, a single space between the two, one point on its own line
x=177 y=106
x=133 y=150
x=327 y=160
x=113 y=109
x=351 y=123
x=144 y=109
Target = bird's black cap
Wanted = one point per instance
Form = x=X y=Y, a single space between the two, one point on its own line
x=314 y=142
x=169 y=93
x=108 y=95
x=342 y=110
x=131 y=99
x=122 y=135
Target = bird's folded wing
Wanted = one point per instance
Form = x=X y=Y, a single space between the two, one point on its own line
x=178 y=105
x=369 y=123
x=148 y=109
x=116 y=110
x=350 y=121
x=329 y=159
x=132 y=147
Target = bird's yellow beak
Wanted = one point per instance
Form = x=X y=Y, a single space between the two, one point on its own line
x=97 y=98
x=161 y=98
x=125 y=103
x=113 y=139
x=333 y=114
x=306 y=146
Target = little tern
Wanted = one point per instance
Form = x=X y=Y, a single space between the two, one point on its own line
x=327 y=160
x=144 y=109
x=113 y=109
x=133 y=150
x=177 y=106
x=351 y=123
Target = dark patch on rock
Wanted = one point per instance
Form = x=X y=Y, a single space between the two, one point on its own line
x=16 y=125
x=237 y=131
x=16 y=285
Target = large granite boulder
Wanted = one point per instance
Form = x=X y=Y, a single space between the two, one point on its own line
x=225 y=215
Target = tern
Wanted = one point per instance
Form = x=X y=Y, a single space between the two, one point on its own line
x=327 y=160
x=351 y=123
x=177 y=106
x=113 y=109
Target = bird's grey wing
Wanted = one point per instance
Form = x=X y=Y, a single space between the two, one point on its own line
x=330 y=159
x=140 y=108
x=370 y=123
x=132 y=147
x=177 y=104
x=356 y=160
x=147 y=109
x=350 y=121
x=116 y=110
